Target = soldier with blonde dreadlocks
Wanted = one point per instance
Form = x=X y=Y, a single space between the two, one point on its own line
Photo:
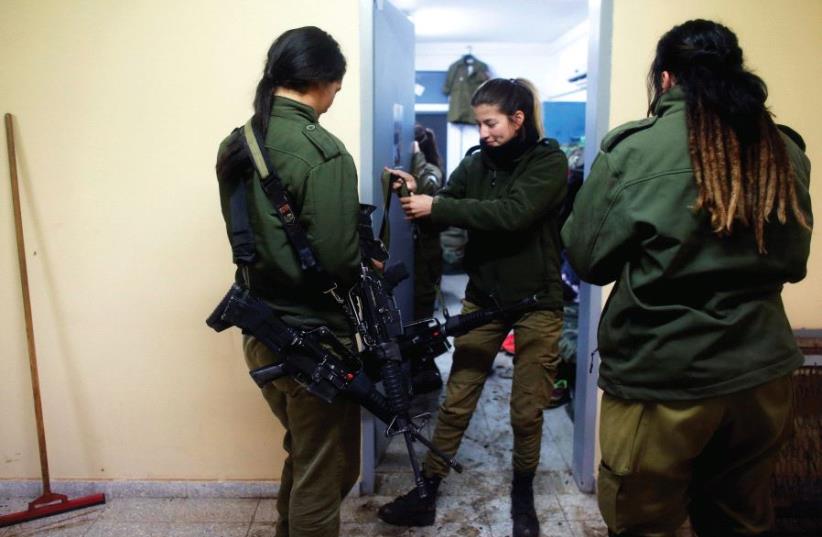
x=700 y=213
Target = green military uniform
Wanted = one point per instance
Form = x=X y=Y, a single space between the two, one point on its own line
x=428 y=254
x=462 y=80
x=512 y=252
x=511 y=218
x=694 y=325
x=322 y=440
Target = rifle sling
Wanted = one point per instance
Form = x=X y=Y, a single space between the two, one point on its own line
x=278 y=196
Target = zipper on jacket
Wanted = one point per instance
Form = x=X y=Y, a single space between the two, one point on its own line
x=493 y=178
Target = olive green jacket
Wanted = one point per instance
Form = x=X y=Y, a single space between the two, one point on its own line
x=511 y=218
x=321 y=179
x=461 y=81
x=692 y=314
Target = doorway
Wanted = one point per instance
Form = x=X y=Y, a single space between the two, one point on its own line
x=570 y=69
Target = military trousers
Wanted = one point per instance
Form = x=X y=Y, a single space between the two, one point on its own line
x=322 y=442
x=535 y=363
x=710 y=459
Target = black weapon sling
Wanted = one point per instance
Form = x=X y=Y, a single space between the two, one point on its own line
x=276 y=193
x=248 y=142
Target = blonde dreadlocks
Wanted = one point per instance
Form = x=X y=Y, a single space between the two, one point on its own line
x=740 y=161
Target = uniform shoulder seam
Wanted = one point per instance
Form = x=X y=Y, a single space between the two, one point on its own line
x=342 y=154
x=617 y=135
x=301 y=158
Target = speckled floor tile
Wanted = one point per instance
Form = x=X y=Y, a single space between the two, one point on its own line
x=266 y=511
x=556 y=527
x=588 y=528
x=466 y=529
x=580 y=506
x=104 y=528
x=262 y=530
x=550 y=457
x=362 y=510
x=460 y=509
x=561 y=482
x=498 y=510
x=180 y=510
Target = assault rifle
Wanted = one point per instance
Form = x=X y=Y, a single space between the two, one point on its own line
x=426 y=339
x=327 y=368
x=316 y=358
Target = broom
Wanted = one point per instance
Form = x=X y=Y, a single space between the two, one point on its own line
x=48 y=503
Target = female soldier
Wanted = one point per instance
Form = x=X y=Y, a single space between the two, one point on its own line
x=508 y=195
x=700 y=213
x=303 y=73
x=427 y=171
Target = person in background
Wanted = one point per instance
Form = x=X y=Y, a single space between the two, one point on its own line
x=427 y=172
x=700 y=213
x=303 y=73
x=507 y=193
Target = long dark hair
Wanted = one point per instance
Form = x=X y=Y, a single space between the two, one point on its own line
x=740 y=161
x=428 y=144
x=510 y=95
x=300 y=59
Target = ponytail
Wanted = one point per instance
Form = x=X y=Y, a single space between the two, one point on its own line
x=536 y=107
x=299 y=59
x=263 y=99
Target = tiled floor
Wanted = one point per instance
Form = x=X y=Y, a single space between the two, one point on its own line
x=472 y=504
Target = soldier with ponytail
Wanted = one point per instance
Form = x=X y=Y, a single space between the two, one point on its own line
x=700 y=213
x=303 y=72
x=507 y=192
x=741 y=164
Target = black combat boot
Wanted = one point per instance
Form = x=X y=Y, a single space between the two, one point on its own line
x=526 y=523
x=411 y=510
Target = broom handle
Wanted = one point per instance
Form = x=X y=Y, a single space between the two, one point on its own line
x=24 y=280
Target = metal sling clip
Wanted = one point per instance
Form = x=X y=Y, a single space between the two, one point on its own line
x=332 y=291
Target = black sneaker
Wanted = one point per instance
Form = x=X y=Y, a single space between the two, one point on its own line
x=411 y=510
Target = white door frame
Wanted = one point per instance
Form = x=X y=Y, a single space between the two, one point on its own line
x=597 y=108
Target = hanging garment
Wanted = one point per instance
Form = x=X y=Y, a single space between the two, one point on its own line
x=464 y=77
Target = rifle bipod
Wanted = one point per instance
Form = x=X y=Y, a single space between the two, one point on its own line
x=396 y=395
x=411 y=432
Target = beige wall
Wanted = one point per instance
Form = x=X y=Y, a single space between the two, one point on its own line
x=782 y=42
x=120 y=107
